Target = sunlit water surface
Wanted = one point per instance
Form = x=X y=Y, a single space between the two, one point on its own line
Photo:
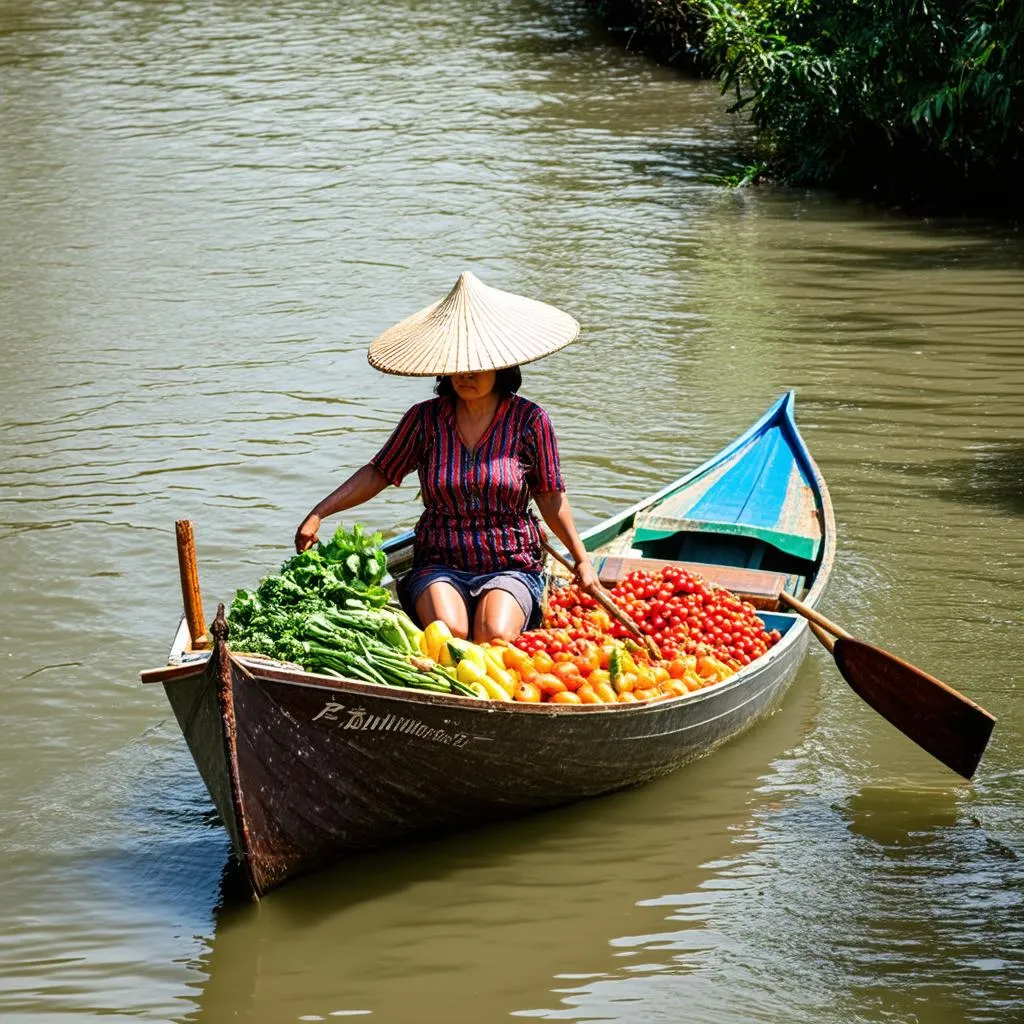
x=207 y=211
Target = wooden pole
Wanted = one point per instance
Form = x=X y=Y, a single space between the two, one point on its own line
x=190 y=594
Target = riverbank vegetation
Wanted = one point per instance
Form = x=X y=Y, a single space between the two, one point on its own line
x=918 y=101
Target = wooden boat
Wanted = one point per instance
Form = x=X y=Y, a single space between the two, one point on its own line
x=302 y=767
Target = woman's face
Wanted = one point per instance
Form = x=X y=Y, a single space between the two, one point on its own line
x=472 y=386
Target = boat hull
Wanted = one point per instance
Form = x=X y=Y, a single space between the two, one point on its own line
x=303 y=768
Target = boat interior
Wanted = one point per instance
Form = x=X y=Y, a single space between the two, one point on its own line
x=754 y=570
x=751 y=519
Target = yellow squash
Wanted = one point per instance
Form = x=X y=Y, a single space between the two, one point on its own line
x=470 y=673
x=435 y=636
x=462 y=650
x=496 y=670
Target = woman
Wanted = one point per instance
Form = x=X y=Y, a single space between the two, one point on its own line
x=481 y=452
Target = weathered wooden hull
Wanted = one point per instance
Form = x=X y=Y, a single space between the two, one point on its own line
x=302 y=768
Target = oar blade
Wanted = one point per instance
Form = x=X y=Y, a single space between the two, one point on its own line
x=947 y=724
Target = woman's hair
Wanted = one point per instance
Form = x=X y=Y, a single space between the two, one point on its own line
x=506 y=382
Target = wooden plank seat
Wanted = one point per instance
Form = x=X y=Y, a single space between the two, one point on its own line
x=758 y=586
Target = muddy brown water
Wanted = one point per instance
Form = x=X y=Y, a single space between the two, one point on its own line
x=207 y=211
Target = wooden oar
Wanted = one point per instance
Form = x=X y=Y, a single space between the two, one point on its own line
x=936 y=717
x=604 y=599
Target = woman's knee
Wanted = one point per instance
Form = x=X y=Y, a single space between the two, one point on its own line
x=442 y=601
x=498 y=617
x=489 y=631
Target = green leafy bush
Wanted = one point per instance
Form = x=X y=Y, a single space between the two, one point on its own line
x=911 y=98
x=672 y=31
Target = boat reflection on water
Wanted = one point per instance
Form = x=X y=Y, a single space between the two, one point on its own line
x=486 y=922
x=906 y=815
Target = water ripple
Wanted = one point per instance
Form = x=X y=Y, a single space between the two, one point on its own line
x=216 y=207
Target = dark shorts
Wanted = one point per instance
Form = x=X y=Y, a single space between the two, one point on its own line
x=526 y=587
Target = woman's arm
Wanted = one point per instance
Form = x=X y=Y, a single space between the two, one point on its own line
x=365 y=483
x=554 y=507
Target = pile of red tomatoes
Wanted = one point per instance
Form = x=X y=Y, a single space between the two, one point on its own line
x=683 y=613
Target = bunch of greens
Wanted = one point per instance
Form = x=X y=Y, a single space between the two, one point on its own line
x=326 y=610
x=348 y=568
x=378 y=646
x=344 y=573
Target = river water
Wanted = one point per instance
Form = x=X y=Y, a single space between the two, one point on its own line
x=207 y=210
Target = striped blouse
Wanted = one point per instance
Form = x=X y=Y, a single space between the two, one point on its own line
x=476 y=515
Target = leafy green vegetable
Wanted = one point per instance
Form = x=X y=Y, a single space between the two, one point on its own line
x=326 y=610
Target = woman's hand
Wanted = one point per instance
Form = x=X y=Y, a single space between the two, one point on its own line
x=554 y=507
x=365 y=483
x=305 y=535
x=585 y=574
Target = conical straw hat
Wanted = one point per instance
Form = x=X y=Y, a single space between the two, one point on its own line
x=473 y=328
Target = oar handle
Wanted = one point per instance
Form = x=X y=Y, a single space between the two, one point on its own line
x=604 y=599
x=816 y=617
x=826 y=640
